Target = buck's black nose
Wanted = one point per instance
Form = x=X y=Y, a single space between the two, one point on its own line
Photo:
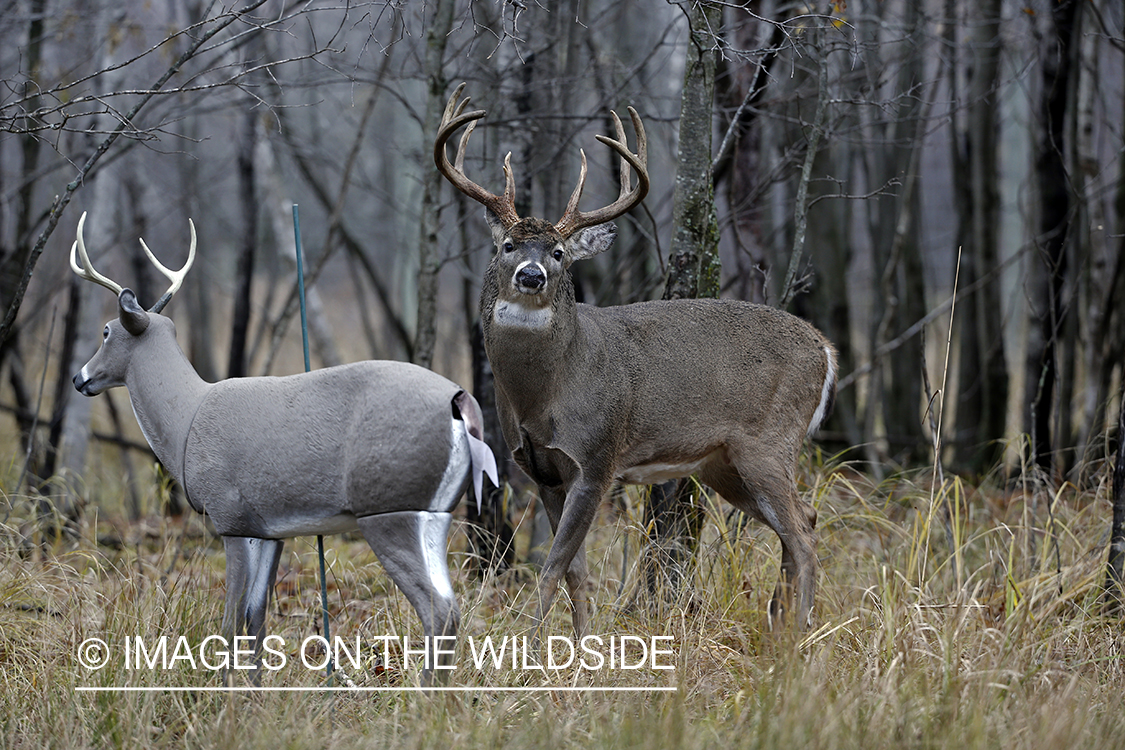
x=531 y=277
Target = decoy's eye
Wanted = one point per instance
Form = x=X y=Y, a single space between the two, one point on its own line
x=105 y=333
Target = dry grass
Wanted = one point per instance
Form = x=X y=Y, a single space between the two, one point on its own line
x=1017 y=654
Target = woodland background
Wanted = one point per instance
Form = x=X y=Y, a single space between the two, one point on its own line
x=857 y=163
x=864 y=157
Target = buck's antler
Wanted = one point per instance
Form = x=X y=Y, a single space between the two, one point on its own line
x=86 y=270
x=573 y=219
x=504 y=206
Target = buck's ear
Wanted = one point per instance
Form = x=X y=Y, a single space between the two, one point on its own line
x=497 y=226
x=133 y=317
x=590 y=241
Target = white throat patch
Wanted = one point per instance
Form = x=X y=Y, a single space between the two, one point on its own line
x=516 y=315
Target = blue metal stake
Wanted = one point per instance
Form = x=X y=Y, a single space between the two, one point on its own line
x=308 y=366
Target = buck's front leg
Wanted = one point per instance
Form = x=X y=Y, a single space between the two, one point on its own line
x=571 y=515
x=250 y=572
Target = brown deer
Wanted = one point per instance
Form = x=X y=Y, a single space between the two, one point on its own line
x=383 y=447
x=640 y=393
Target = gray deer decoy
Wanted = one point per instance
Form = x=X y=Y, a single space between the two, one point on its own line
x=384 y=447
x=640 y=393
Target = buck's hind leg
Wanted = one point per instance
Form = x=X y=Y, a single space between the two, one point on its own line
x=411 y=546
x=766 y=489
x=251 y=569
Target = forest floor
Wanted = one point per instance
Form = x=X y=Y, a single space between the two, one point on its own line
x=989 y=632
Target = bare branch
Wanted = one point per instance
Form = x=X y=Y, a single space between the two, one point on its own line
x=61 y=202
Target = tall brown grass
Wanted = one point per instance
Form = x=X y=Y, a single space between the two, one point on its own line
x=1016 y=654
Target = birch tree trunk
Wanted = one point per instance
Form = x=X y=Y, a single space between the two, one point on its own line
x=425 y=334
x=1098 y=274
x=72 y=410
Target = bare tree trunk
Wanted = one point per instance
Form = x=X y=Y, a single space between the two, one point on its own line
x=693 y=266
x=491 y=535
x=237 y=365
x=983 y=404
x=70 y=434
x=1098 y=272
x=278 y=203
x=829 y=234
x=425 y=334
x=902 y=402
x=198 y=288
x=1049 y=264
x=742 y=163
x=336 y=231
x=672 y=514
x=14 y=258
x=1114 y=593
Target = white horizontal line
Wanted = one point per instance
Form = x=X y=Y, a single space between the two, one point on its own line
x=342 y=689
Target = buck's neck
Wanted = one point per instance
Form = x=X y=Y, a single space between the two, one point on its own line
x=525 y=347
x=165 y=392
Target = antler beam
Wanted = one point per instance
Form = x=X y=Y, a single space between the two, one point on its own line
x=504 y=206
x=573 y=219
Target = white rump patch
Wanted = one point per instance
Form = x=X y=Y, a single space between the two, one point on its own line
x=516 y=315
x=825 y=393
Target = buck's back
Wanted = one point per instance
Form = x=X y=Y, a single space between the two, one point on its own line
x=694 y=371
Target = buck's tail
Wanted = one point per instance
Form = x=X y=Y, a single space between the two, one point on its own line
x=827 y=393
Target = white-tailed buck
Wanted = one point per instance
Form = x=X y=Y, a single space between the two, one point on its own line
x=641 y=393
x=384 y=447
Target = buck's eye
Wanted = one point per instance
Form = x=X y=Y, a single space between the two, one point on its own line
x=509 y=247
x=558 y=253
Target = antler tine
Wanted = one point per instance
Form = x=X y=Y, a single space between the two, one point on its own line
x=572 y=204
x=573 y=219
x=452 y=119
x=176 y=277
x=86 y=270
x=623 y=170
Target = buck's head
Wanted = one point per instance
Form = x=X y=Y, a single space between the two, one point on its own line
x=532 y=259
x=133 y=329
x=533 y=255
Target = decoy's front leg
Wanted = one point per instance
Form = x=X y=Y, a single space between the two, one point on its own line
x=251 y=571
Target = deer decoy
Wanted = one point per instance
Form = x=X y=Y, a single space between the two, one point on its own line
x=640 y=393
x=384 y=447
